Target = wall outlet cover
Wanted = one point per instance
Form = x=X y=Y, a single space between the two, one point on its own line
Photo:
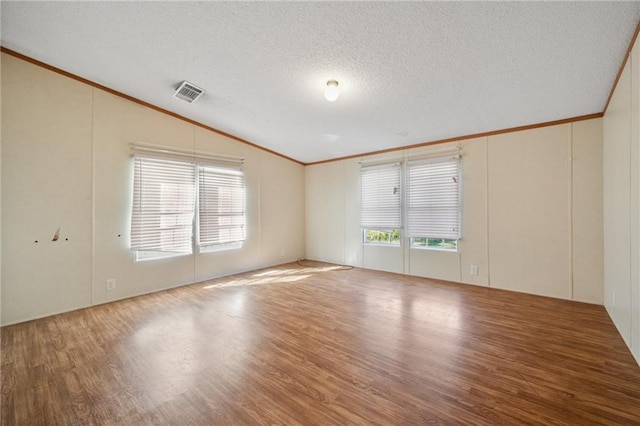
x=111 y=284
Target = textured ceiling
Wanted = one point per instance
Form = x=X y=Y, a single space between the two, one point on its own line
x=409 y=72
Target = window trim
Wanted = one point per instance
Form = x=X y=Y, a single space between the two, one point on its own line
x=378 y=243
x=413 y=229
x=160 y=187
x=456 y=249
x=226 y=245
x=146 y=255
x=392 y=214
x=405 y=234
x=197 y=163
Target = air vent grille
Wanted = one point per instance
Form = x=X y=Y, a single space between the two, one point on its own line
x=188 y=92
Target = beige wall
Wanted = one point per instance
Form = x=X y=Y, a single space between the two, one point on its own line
x=67 y=163
x=529 y=211
x=473 y=245
x=634 y=187
x=46 y=184
x=325 y=193
x=621 y=154
x=587 y=211
x=0 y=194
x=532 y=214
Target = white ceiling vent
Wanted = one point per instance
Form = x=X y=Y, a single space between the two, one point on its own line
x=188 y=92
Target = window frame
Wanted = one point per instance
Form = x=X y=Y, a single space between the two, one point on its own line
x=157 y=195
x=220 y=170
x=365 y=240
x=426 y=246
x=413 y=231
x=142 y=255
x=378 y=212
x=405 y=234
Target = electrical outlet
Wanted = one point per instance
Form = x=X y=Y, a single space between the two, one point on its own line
x=111 y=284
x=282 y=253
x=473 y=270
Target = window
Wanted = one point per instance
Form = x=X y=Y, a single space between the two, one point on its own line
x=430 y=203
x=434 y=243
x=433 y=203
x=177 y=204
x=381 y=212
x=163 y=207
x=372 y=236
x=221 y=212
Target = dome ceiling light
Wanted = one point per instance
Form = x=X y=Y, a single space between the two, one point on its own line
x=331 y=92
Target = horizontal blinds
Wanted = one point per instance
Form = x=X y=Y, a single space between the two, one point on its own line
x=221 y=206
x=163 y=205
x=174 y=153
x=433 y=198
x=380 y=197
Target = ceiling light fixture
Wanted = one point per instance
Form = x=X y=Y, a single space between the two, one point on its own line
x=331 y=92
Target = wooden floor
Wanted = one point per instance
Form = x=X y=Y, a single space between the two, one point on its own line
x=315 y=345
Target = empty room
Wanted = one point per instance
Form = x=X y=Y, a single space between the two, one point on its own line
x=320 y=213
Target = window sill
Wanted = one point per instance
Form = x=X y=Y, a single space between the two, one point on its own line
x=436 y=249
x=221 y=247
x=146 y=256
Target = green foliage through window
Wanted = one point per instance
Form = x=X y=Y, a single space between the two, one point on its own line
x=373 y=236
x=434 y=243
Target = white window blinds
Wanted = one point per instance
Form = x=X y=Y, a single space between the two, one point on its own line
x=380 y=197
x=163 y=205
x=433 y=201
x=221 y=206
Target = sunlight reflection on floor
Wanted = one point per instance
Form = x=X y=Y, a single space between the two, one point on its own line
x=275 y=276
x=305 y=270
x=258 y=281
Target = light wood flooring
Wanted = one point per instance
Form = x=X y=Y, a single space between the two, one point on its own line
x=316 y=345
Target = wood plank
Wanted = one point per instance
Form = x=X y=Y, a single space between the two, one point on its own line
x=317 y=344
